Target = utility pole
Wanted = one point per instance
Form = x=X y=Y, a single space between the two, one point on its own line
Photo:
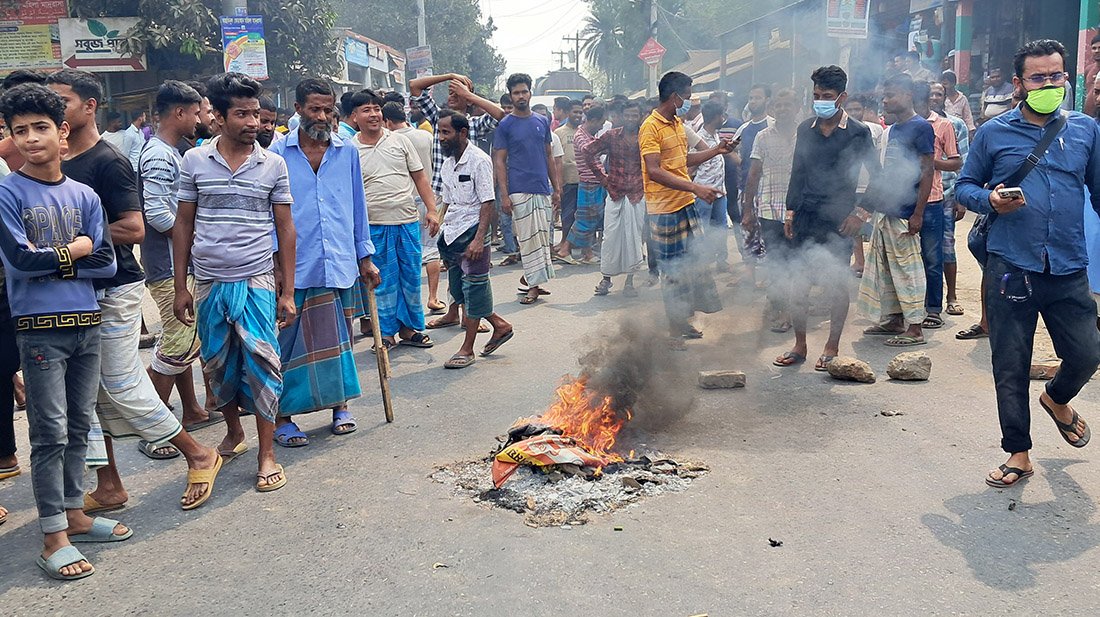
x=576 y=40
x=421 y=25
x=561 y=58
x=654 y=68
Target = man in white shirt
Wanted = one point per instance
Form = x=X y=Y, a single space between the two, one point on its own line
x=134 y=139
x=113 y=133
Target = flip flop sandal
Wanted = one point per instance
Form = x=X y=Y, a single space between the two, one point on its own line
x=438 y=309
x=418 y=339
x=1071 y=427
x=103 y=530
x=482 y=328
x=385 y=343
x=522 y=290
x=343 y=423
x=880 y=330
x=954 y=308
x=822 y=365
x=62 y=557
x=10 y=472
x=229 y=455
x=904 y=341
x=202 y=476
x=789 y=359
x=567 y=260
x=267 y=488
x=692 y=334
x=528 y=299
x=3 y=518
x=438 y=323
x=495 y=343
x=973 y=332
x=590 y=261
x=150 y=450
x=288 y=431
x=782 y=328
x=932 y=323
x=1005 y=470
x=510 y=260
x=91 y=506
x=457 y=361
x=602 y=289
x=214 y=417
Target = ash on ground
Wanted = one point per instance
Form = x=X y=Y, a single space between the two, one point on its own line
x=554 y=499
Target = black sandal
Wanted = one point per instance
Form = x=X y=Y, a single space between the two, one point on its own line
x=1082 y=439
x=973 y=332
x=418 y=339
x=1005 y=470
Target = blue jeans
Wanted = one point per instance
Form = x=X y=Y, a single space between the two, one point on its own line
x=931 y=248
x=61 y=372
x=511 y=247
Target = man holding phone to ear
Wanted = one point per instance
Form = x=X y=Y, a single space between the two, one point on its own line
x=1036 y=249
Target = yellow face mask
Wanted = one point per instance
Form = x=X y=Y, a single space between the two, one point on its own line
x=1046 y=100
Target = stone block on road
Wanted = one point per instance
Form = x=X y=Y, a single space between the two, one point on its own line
x=851 y=369
x=721 y=379
x=910 y=366
x=1044 y=370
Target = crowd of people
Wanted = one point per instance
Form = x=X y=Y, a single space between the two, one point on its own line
x=261 y=244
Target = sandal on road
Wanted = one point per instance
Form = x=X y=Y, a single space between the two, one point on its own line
x=62 y=558
x=822 y=364
x=954 y=308
x=529 y=298
x=103 y=530
x=603 y=288
x=387 y=343
x=932 y=322
x=418 y=339
x=229 y=455
x=157 y=453
x=495 y=343
x=343 y=422
x=92 y=506
x=881 y=330
x=435 y=324
x=213 y=417
x=973 y=332
x=458 y=361
x=905 y=341
x=437 y=308
x=1005 y=472
x=510 y=260
x=10 y=472
x=201 y=476
x=288 y=431
x=789 y=359
x=267 y=487
x=1071 y=428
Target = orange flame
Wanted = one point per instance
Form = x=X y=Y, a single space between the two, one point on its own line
x=587 y=418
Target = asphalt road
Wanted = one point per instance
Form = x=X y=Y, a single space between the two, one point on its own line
x=878 y=515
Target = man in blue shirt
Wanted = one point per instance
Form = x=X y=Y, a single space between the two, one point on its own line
x=1037 y=254
x=316 y=350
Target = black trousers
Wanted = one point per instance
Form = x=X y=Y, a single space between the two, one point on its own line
x=9 y=365
x=1014 y=301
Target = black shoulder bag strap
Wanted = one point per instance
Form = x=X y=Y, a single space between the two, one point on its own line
x=1032 y=160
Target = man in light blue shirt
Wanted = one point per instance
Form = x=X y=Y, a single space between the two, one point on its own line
x=1037 y=254
x=334 y=250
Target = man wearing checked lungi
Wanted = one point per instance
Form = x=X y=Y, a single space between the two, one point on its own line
x=686 y=283
x=334 y=249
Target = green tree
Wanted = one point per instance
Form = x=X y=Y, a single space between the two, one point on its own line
x=459 y=39
x=185 y=35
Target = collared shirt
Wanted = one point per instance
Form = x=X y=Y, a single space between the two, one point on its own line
x=1050 y=229
x=945 y=147
x=666 y=138
x=345 y=130
x=328 y=204
x=387 y=167
x=624 y=163
x=711 y=173
x=585 y=171
x=479 y=127
x=960 y=108
x=775 y=151
x=962 y=138
x=234 y=220
x=566 y=133
x=825 y=172
x=467 y=184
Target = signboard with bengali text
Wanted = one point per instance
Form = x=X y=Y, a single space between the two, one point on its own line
x=94 y=44
x=847 y=19
x=29 y=37
x=243 y=47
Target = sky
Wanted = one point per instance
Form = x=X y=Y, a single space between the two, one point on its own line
x=528 y=31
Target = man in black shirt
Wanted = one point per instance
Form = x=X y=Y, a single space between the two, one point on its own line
x=830 y=149
x=128 y=403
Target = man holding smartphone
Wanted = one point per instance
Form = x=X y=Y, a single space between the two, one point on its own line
x=1036 y=247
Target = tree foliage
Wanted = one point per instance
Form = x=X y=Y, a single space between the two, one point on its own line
x=185 y=34
x=459 y=39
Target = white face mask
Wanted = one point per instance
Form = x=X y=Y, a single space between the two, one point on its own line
x=684 y=107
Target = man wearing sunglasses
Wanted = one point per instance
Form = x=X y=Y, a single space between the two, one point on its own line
x=1036 y=247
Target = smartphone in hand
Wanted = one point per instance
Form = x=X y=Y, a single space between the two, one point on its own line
x=1010 y=193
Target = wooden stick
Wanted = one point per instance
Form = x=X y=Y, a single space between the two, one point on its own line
x=382 y=354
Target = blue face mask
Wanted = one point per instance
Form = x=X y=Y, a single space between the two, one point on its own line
x=684 y=107
x=825 y=109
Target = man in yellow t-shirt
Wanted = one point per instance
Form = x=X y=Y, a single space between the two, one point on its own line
x=687 y=284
